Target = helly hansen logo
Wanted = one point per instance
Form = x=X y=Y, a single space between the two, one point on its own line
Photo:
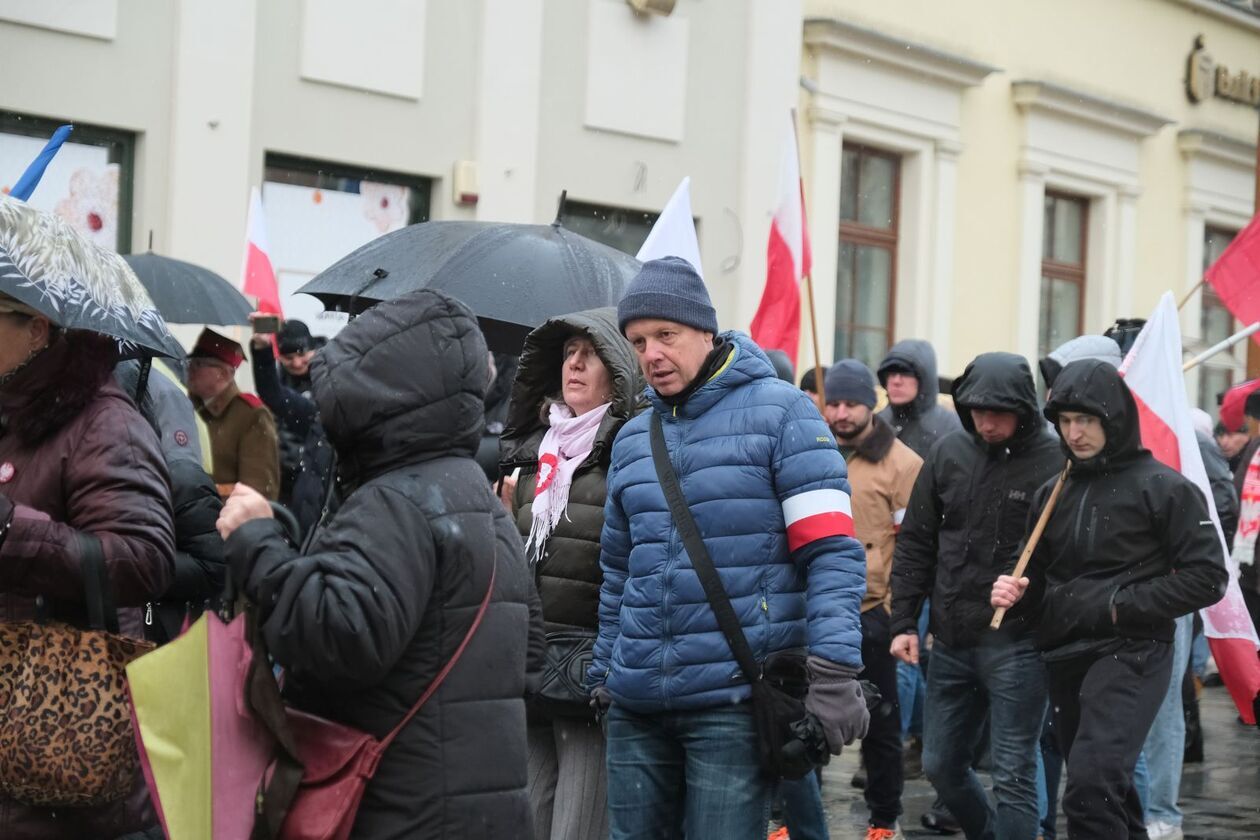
x=1017 y=495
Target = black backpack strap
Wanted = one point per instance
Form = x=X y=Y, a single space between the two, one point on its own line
x=719 y=601
x=98 y=595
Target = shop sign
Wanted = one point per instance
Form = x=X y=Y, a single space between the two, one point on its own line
x=1206 y=79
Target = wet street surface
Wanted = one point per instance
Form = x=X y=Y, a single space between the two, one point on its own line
x=1220 y=797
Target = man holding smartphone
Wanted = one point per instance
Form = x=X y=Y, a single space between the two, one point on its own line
x=243 y=444
x=306 y=462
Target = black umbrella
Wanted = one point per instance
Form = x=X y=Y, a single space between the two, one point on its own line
x=76 y=284
x=513 y=276
x=189 y=294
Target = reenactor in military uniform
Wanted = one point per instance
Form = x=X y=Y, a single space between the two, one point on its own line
x=242 y=431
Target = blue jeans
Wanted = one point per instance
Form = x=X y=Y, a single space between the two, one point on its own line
x=1007 y=680
x=1051 y=774
x=1142 y=782
x=685 y=773
x=1166 y=742
x=911 y=684
x=1199 y=654
x=802 y=809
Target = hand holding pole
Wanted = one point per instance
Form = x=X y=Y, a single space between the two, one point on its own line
x=1031 y=546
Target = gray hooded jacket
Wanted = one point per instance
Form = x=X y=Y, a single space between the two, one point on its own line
x=921 y=422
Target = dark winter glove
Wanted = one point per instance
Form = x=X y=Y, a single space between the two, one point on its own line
x=601 y=701
x=835 y=698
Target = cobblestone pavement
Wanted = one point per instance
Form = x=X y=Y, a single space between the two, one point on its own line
x=1220 y=798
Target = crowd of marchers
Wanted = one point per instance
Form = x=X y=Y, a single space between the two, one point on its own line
x=696 y=571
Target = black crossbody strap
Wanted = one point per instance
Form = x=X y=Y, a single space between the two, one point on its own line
x=719 y=601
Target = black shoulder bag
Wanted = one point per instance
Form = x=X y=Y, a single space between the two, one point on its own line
x=788 y=745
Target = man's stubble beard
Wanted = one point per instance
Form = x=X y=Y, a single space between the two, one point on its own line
x=857 y=432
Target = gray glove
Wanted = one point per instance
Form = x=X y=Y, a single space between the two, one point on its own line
x=835 y=698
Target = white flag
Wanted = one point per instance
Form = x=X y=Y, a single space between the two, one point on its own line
x=674 y=234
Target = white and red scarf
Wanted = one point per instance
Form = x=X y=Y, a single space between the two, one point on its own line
x=564 y=447
x=1249 y=516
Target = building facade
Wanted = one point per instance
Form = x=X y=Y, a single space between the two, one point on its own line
x=982 y=174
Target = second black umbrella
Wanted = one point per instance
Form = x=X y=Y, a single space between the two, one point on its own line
x=189 y=294
x=513 y=276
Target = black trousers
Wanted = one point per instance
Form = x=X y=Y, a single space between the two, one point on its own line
x=1103 y=707
x=881 y=748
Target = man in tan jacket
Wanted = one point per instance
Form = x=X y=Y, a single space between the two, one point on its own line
x=882 y=471
x=243 y=444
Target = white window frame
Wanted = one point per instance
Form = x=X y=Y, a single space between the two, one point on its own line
x=1080 y=144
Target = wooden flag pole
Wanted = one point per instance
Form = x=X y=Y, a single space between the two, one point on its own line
x=820 y=397
x=1190 y=294
x=1031 y=546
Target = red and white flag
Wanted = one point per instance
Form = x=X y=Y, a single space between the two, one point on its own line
x=777 y=324
x=1153 y=373
x=1236 y=275
x=258 y=278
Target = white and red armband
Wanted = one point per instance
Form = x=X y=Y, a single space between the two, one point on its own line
x=816 y=515
x=898 y=517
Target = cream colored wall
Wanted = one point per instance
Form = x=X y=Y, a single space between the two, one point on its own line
x=363 y=128
x=159 y=79
x=609 y=167
x=1129 y=51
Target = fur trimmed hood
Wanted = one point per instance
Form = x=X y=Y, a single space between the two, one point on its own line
x=56 y=385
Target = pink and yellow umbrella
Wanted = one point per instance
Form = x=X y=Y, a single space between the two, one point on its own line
x=203 y=752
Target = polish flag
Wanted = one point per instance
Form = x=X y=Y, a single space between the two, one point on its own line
x=1153 y=373
x=777 y=324
x=674 y=234
x=1236 y=275
x=258 y=277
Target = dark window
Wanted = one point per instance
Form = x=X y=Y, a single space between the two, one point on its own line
x=89 y=183
x=1216 y=324
x=867 y=266
x=617 y=227
x=322 y=175
x=1063 y=250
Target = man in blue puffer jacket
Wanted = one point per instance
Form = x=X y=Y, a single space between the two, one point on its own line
x=766 y=484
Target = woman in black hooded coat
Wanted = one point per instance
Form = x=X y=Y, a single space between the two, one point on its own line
x=566 y=766
x=367 y=615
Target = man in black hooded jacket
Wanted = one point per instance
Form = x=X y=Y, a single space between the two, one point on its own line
x=908 y=374
x=1129 y=548
x=962 y=529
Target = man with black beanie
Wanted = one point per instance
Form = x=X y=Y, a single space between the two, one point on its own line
x=761 y=477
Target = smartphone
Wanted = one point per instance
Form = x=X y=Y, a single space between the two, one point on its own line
x=267 y=324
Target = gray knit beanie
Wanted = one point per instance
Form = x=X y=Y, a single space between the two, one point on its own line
x=669 y=289
x=850 y=380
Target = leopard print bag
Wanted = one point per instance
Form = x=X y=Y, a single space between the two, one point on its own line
x=65 y=725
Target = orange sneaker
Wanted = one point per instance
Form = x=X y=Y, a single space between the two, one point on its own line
x=873 y=833
x=780 y=833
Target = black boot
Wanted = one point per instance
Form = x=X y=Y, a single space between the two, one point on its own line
x=939 y=819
